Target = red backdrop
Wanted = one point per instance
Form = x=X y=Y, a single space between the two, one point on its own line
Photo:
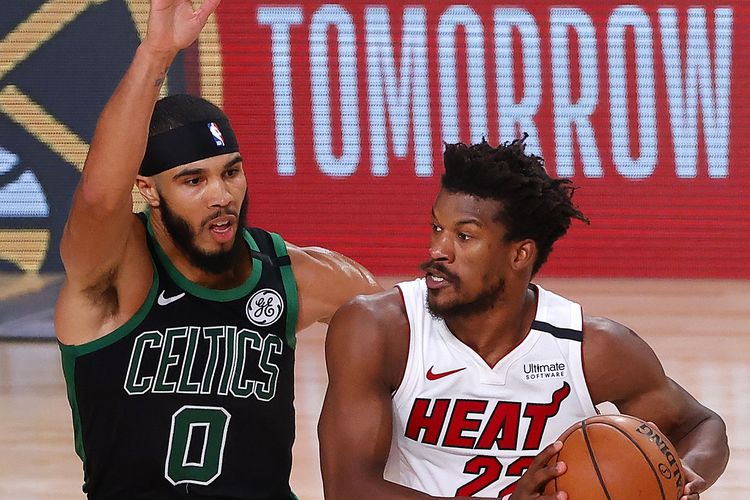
x=642 y=105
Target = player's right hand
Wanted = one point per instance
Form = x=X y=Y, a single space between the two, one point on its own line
x=174 y=24
x=540 y=472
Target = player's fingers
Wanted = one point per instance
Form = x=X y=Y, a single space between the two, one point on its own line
x=694 y=483
x=693 y=489
x=539 y=474
x=544 y=456
x=206 y=8
x=534 y=480
x=544 y=475
x=541 y=471
x=560 y=495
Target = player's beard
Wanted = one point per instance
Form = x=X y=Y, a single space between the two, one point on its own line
x=487 y=298
x=184 y=238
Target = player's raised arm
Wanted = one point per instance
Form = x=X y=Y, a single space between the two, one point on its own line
x=100 y=222
x=326 y=280
x=623 y=369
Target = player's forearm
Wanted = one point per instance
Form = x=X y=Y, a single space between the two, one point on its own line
x=705 y=449
x=348 y=475
x=119 y=141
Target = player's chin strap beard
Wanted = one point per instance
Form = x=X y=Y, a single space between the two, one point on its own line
x=188 y=143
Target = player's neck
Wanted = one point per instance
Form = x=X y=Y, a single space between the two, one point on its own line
x=232 y=278
x=494 y=333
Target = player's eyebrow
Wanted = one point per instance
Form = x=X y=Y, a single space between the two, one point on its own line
x=188 y=172
x=233 y=161
x=473 y=221
x=199 y=170
x=462 y=222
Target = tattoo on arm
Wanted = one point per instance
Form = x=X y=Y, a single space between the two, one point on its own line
x=160 y=80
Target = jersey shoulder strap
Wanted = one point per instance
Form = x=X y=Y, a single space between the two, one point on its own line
x=272 y=252
x=271 y=247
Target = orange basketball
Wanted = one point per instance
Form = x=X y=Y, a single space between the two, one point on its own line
x=617 y=457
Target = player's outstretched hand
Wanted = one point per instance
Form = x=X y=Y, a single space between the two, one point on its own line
x=539 y=473
x=694 y=484
x=174 y=24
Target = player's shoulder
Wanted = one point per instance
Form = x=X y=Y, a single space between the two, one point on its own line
x=383 y=309
x=604 y=333
x=375 y=319
x=616 y=359
x=313 y=262
x=308 y=252
x=604 y=326
x=371 y=331
x=607 y=342
x=311 y=255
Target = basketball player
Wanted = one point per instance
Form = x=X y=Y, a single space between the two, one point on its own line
x=177 y=327
x=450 y=385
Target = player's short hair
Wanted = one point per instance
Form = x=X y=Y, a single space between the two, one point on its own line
x=181 y=109
x=534 y=205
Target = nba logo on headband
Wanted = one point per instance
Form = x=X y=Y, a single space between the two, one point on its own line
x=186 y=144
x=218 y=137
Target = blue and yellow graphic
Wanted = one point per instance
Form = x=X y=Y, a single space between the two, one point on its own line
x=60 y=60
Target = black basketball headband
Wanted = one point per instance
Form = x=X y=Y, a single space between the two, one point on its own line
x=186 y=144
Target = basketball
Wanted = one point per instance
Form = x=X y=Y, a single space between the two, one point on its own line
x=617 y=457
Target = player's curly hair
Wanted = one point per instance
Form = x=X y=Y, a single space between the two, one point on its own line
x=181 y=109
x=534 y=205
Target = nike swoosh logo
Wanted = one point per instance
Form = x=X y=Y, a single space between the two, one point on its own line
x=434 y=376
x=163 y=301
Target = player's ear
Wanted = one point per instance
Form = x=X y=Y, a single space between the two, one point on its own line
x=523 y=255
x=147 y=188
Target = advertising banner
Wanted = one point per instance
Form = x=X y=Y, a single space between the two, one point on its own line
x=342 y=111
x=344 y=108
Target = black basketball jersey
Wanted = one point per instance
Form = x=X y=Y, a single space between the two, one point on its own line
x=193 y=396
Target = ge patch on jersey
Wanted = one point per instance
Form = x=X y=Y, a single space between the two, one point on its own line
x=265 y=307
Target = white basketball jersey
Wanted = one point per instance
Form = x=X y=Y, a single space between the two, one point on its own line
x=463 y=428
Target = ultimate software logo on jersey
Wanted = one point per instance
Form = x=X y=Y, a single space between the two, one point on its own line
x=544 y=370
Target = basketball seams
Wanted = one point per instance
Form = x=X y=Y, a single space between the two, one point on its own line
x=585 y=433
x=590 y=441
x=645 y=456
x=563 y=438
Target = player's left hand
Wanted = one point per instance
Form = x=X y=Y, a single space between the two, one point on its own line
x=694 y=484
